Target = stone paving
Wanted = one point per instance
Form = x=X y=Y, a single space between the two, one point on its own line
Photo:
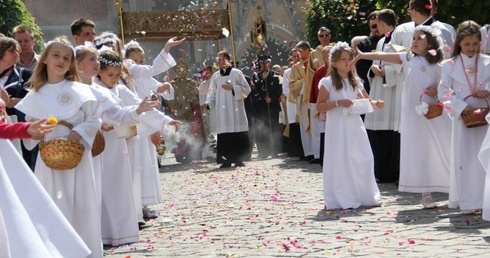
x=274 y=208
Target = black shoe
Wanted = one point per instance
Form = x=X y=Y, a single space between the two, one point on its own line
x=315 y=161
x=240 y=164
x=309 y=158
x=143 y=225
x=225 y=165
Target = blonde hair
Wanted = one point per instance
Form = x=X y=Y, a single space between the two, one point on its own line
x=82 y=52
x=40 y=74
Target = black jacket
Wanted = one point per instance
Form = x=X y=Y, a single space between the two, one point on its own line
x=16 y=87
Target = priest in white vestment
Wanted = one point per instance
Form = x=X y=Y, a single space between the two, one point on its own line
x=227 y=90
x=380 y=125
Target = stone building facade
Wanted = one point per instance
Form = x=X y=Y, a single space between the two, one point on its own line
x=285 y=24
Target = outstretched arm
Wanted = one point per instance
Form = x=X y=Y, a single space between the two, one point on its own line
x=387 y=57
x=24 y=130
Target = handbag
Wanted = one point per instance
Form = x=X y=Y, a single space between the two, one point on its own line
x=359 y=107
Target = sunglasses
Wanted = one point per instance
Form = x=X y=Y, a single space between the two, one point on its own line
x=374 y=26
x=324 y=35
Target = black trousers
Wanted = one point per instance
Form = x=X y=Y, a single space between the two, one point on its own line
x=386 y=151
x=232 y=147
x=295 y=148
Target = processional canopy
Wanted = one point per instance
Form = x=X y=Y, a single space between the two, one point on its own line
x=212 y=24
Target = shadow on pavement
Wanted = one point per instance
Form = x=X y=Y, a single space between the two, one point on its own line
x=179 y=167
x=327 y=215
x=294 y=163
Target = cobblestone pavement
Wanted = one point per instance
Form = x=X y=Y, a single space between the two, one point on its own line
x=273 y=208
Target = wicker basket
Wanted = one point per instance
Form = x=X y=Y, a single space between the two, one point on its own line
x=435 y=109
x=126 y=131
x=61 y=154
x=476 y=117
x=99 y=144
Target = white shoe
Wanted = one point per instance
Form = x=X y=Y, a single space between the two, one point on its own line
x=149 y=214
x=467 y=212
x=427 y=202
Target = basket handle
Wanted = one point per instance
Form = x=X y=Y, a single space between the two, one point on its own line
x=423 y=93
x=486 y=100
x=69 y=125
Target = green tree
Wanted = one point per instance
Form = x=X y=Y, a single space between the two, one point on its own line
x=345 y=18
x=400 y=7
x=455 y=12
x=14 y=12
x=449 y=11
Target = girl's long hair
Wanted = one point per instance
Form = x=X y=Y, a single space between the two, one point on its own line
x=434 y=45
x=334 y=74
x=465 y=29
x=39 y=76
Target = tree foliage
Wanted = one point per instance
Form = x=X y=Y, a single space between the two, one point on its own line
x=455 y=12
x=449 y=11
x=14 y=12
x=345 y=18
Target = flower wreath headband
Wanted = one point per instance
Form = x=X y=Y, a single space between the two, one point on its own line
x=86 y=45
x=341 y=45
x=105 y=61
x=435 y=32
x=109 y=62
x=428 y=29
x=106 y=39
x=51 y=42
x=132 y=43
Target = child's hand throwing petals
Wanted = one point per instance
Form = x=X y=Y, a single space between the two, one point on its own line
x=39 y=128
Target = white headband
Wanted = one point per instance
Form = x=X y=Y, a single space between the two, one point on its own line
x=51 y=42
x=341 y=45
x=105 y=39
x=109 y=63
x=87 y=44
x=132 y=43
x=428 y=29
x=103 y=49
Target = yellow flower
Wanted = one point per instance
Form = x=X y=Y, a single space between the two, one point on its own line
x=52 y=120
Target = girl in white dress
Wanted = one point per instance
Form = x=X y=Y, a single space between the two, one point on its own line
x=465 y=84
x=119 y=223
x=138 y=150
x=424 y=143
x=146 y=178
x=27 y=212
x=146 y=86
x=348 y=167
x=55 y=92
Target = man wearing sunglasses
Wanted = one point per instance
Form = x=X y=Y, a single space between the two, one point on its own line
x=367 y=44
